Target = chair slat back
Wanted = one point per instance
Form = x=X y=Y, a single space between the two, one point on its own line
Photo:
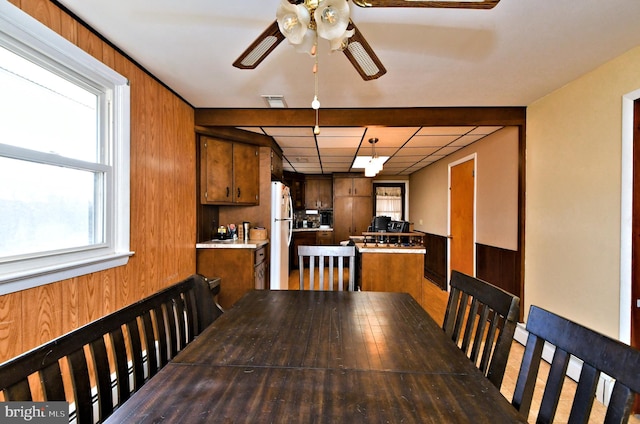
x=599 y=353
x=132 y=343
x=335 y=256
x=481 y=319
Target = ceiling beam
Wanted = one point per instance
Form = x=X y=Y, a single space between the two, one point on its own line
x=391 y=117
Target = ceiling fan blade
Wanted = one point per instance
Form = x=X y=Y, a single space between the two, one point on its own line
x=461 y=4
x=260 y=48
x=362 y=57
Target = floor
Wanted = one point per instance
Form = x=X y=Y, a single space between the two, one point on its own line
x=436 y=308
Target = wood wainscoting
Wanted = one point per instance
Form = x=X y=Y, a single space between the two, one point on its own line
x=500 y=267
x=435 y=260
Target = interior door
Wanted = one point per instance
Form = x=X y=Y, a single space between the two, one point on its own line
x=635 y=239
x=461 y=219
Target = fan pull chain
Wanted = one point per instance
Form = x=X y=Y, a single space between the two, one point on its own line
x=315 y=104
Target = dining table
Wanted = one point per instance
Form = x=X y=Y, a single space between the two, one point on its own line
x=320 y=357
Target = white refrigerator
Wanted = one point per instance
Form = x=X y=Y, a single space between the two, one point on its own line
x=281 y=230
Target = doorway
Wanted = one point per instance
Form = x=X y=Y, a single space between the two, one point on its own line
x=461 y=237
x=390 y=199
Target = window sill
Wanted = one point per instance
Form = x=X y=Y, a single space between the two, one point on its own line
x=11 y=283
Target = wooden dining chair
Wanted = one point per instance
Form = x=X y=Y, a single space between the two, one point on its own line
x=481 y=319
x=599 y=353
x=334 y=255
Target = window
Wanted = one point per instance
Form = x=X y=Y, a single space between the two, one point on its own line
x=389 y=200
x=64 y=158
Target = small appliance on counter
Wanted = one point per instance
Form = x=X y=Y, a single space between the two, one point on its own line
x=226 y=233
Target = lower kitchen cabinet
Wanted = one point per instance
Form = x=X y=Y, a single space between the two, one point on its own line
x=302 y=238
x=241 y=270
x=307 y=238
x=324 y=238
x=351 y=216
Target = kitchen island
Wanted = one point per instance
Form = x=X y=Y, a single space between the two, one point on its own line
x=391 y=267
x=241 y=265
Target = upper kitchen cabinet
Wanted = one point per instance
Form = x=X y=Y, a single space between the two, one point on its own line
x=276 y=166
x=229 y=172
x=318 y=192
x=352 y=186
x=295 y=182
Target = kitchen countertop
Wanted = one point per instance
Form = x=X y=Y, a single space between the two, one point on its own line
x=301 y=230
x=232 y=244
x=372 y=247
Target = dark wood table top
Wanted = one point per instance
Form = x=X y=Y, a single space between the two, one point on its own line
x=302 y=356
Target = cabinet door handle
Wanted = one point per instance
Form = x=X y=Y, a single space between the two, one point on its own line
x=238 y=192
x=228 y=192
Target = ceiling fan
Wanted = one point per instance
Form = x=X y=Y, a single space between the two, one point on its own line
x=303 y=21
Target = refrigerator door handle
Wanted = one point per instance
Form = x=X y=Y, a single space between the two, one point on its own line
x=290 y=220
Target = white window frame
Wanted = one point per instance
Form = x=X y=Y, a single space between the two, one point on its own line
x=20 y=31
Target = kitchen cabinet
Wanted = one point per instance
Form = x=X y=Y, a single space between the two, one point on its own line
x=307 y=238
x=324 y=238
x=318 y=193
x=380 y=270
x=295 y=182
x=229 y=172
x=301 y=238
x=352 y=206
x=240 y=270
x=276 y=166
x=352 y=186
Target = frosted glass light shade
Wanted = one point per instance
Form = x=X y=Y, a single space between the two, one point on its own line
x=293 y=21
x=332 y=18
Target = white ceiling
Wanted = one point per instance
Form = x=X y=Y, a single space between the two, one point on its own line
x=511 y=55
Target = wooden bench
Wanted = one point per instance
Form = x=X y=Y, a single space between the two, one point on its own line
x=97 y=367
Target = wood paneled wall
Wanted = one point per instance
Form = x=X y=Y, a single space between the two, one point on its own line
x=162 y=207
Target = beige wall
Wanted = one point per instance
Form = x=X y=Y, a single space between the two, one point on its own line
x=496 y=191
x=572 y=253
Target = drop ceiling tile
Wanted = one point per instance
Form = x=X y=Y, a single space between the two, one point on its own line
x=417 y=151
x=431 y=140
x=444 y=130
x=283 y=142
x=344 y=168
x=338 y=152
x=465 y=140
x=390 y=136
x=448 y=150
x=485 y=130
x=337 y=159
x=303 y=160
x=385 y=151
x=302 y=151
x=341 y=132
x=339 y=142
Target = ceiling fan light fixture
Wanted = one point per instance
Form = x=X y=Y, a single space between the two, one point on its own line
x=332 y=18
x=293 y=21
x=363 y=59
x=308 y=44
x=259 y=51
x=341 y=43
